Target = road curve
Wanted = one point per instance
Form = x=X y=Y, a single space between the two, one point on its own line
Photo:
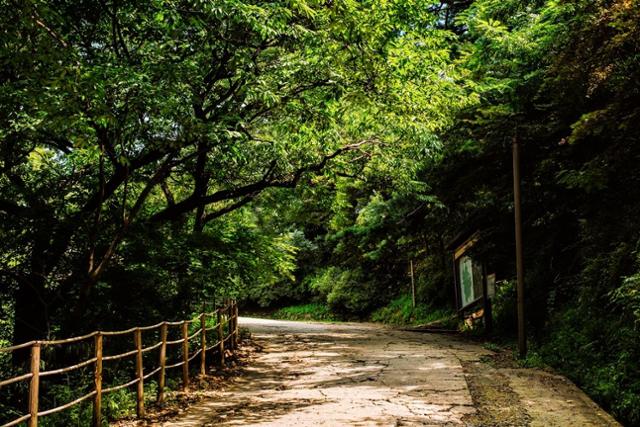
x=319 y=374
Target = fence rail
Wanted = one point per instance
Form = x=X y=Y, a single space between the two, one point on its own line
x=225 y=316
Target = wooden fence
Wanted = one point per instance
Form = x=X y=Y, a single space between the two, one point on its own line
x=225 y=316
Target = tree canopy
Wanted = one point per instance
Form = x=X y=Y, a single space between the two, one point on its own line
x=155 y=155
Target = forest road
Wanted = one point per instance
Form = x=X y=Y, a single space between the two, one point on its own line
x=348 y=374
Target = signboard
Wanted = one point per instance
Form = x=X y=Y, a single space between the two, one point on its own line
x=470 y=280
x=473 y=286
x=468 y=274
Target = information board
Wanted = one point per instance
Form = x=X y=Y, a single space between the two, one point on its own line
x=469 y=280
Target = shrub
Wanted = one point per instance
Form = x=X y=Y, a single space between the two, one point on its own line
x=312 y=311
x=400 y=311
x=344 y=291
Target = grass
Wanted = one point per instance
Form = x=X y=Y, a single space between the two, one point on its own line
x=532 y=360
x=400 y=311
x=312 y=311
x=397 y=312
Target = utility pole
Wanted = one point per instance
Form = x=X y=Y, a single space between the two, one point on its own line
x=413 y=285
x=522 y=339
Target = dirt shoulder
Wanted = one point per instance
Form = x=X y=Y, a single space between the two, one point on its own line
x=505 y=395
x=314 y=374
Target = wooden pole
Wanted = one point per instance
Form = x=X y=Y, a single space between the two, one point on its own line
x=137 y=335
x=232 y=324
x=203 y=342
x=486 y=304
x=185 y=354
x=522 y=340
x=220 y=339
x=230 y=317
x=227 y=320
x=413 y=285
x=162 y=361
x=97 y=379
x=456 y=292
x=34 y=384
x=235 y=324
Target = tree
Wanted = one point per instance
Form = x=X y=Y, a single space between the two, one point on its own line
x=119 y=115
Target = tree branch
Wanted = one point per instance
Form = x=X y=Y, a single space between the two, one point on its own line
x=40 y=22
x=167 y=193
x=217 y=214
x=16 y=210
x=194 y=201
x=283 y=100
x=97 y=270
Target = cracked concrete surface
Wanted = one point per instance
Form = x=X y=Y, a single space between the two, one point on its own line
x=313 y=374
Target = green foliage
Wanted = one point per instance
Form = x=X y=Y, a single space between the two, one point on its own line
x=627 y=298
x=155 y=156
x=532 y=360
x=492 y=346
x=116 y=405
x=548 y=71
x=344 y=291
x=556 y=75
x=400 y=311
x=119 y=404
x=599 y=356
x=135 y=136
x=138 y=122
x=504 y=308
x=312 y=311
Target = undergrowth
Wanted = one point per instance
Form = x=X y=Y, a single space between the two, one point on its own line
x=312 y=311
x=400 y=311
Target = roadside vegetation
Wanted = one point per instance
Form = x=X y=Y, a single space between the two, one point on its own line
x=312 y=311
x=156 y=157
x=400 y=311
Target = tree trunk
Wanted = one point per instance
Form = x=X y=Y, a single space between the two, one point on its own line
x=201 y=183
x=33 y=302
x=30 y=311
x=31 y=321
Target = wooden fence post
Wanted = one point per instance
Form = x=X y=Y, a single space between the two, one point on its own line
x=97 y=379
x=235 y=323
x=162 y=361
x=232 y=325
x=229 y=324
x=140 y=373
x=185 y=354
x=227 y=314
x=220 y=338
x=203 y=341
x=34 y=384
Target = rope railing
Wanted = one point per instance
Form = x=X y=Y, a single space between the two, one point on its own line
x=68 y=368
x=69 y=340
x=227 y=315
